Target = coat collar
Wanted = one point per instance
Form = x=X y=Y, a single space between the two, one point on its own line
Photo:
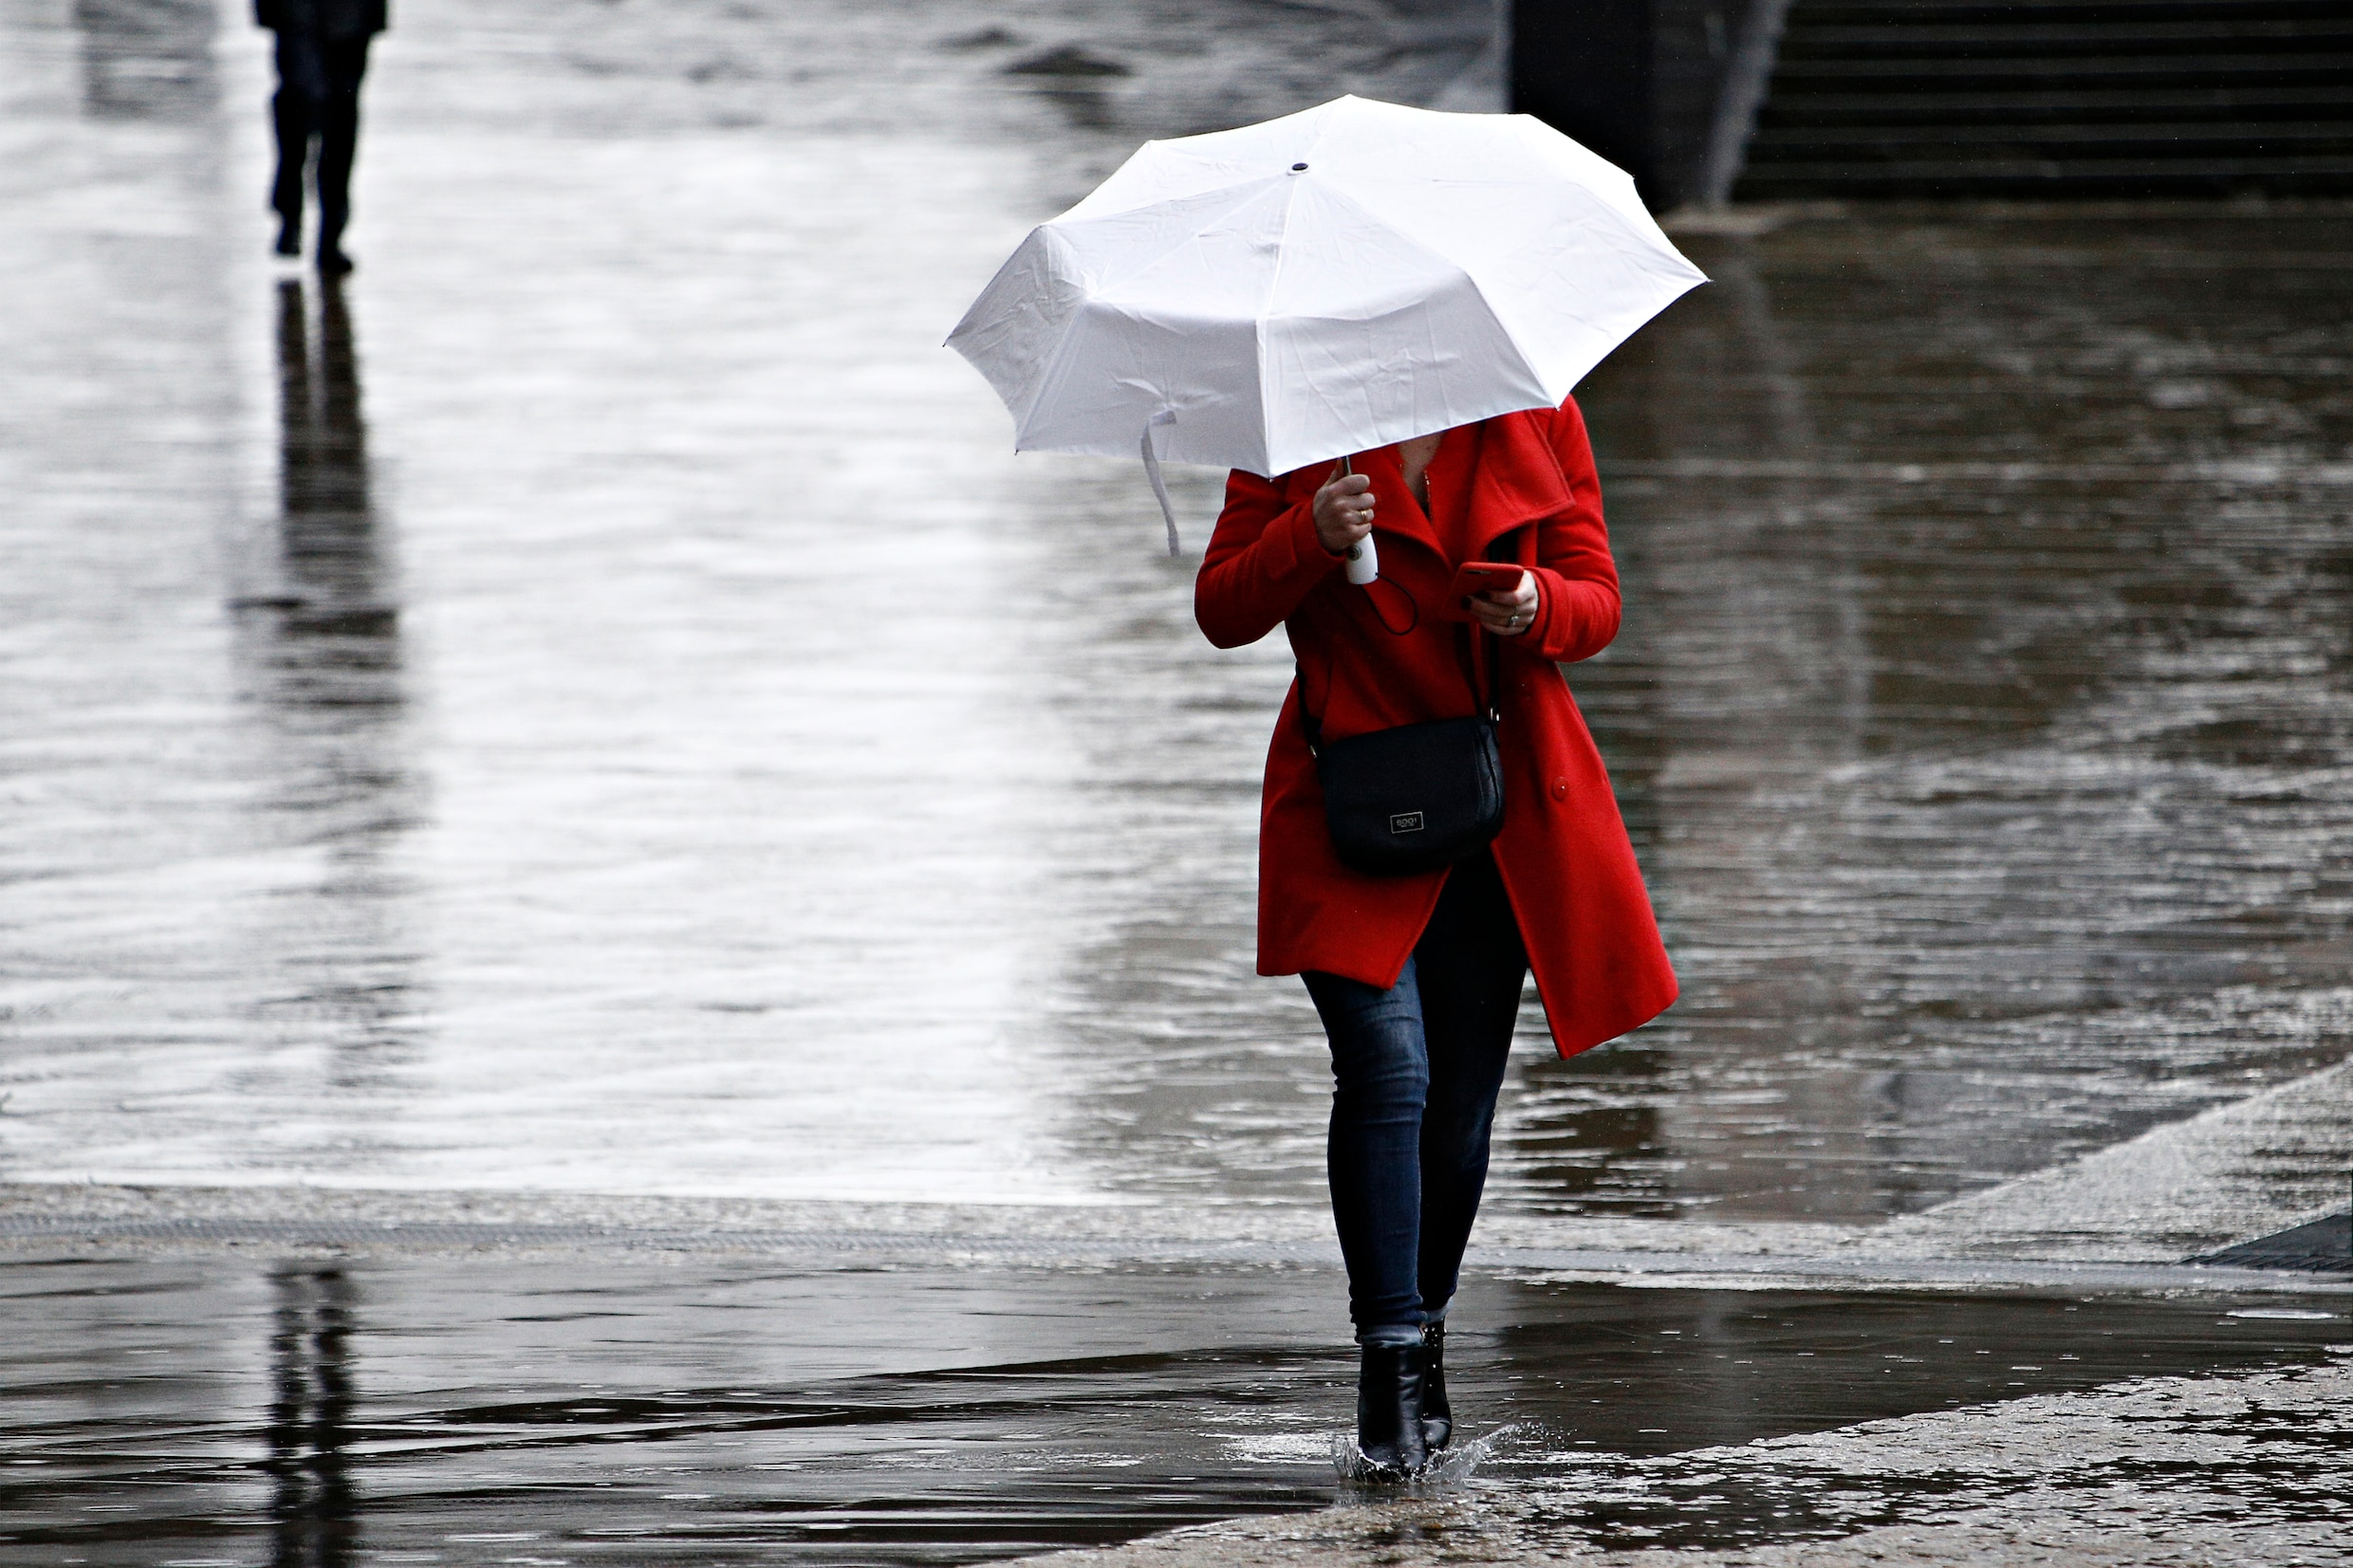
x=1517 y=478
x=1502 y=472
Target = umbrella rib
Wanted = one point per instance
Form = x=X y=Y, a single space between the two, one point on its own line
x=1241 y=193
x=1052 y=364
x=1282 y=242
x=1274 y=281
x=1338 y=194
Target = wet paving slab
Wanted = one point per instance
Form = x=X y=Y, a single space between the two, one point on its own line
x=321 y=1410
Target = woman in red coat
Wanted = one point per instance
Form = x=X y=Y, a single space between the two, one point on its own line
x=1417 y=977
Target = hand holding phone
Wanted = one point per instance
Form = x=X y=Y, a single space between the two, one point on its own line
x=1480 y=576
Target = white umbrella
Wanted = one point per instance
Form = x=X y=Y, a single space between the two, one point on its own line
x=1336 y=280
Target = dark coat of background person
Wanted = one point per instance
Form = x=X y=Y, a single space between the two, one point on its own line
x=321 y=51
x=1522 y=490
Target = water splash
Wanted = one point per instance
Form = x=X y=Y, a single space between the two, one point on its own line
x=1452 y=1468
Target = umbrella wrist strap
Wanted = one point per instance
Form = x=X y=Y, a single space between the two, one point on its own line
x=1152 y=471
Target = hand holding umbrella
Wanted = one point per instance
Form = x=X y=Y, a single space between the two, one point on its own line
x=1344 y=523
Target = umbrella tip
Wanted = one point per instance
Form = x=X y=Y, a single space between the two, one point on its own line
x=1299 y=167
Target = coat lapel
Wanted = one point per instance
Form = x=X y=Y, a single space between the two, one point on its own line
x=1502 y=472
x=1516 y=480
x=1395 y=511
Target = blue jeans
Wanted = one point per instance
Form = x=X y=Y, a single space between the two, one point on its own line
x=1415 y=1069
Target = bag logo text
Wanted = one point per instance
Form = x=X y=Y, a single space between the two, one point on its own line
x=1405 y=821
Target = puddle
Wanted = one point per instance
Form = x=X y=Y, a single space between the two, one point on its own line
x=311 y=1412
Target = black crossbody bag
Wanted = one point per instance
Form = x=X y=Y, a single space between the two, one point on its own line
x=1412 y=798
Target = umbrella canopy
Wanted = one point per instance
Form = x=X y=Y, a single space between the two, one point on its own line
x=1336 y=280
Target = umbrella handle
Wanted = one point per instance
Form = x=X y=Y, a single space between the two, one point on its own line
x=1364 y=561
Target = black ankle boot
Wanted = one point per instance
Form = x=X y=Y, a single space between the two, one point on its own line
x=1388 y=1411
x=1437 y=1417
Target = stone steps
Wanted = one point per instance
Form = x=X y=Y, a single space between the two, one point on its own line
x=2057 y=97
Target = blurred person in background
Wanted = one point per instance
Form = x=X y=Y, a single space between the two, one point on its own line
x=321 y=50
x=1416 y=977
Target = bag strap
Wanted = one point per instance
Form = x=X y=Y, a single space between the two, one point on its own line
x=1492 y=706
x=1486 y=642
x=1306 y=714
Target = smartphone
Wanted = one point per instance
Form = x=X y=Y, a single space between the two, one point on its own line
x=1482 y=577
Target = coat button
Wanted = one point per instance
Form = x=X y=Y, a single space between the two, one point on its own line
x=1559 y=789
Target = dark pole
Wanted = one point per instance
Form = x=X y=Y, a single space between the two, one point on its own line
x=1643 y=82
x=1584 y=68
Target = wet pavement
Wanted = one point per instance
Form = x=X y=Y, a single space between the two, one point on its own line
x=1985 y=717
x=453 y=743
x=326 y=1411
x=510 y=748
x=589 y=716
x=2164 y=1473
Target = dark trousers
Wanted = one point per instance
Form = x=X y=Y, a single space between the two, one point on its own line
x=1416 y=1070
x=318 y=101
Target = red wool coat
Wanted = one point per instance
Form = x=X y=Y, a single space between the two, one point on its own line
x=1519 y=488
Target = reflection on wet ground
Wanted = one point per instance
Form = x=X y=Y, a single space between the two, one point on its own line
x=1985 y=715
x=600 y=798
x=1980 y=711
x=327 y=1411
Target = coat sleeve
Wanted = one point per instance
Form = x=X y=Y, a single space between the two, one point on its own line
x=1263 y=559
x=1576 y=580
